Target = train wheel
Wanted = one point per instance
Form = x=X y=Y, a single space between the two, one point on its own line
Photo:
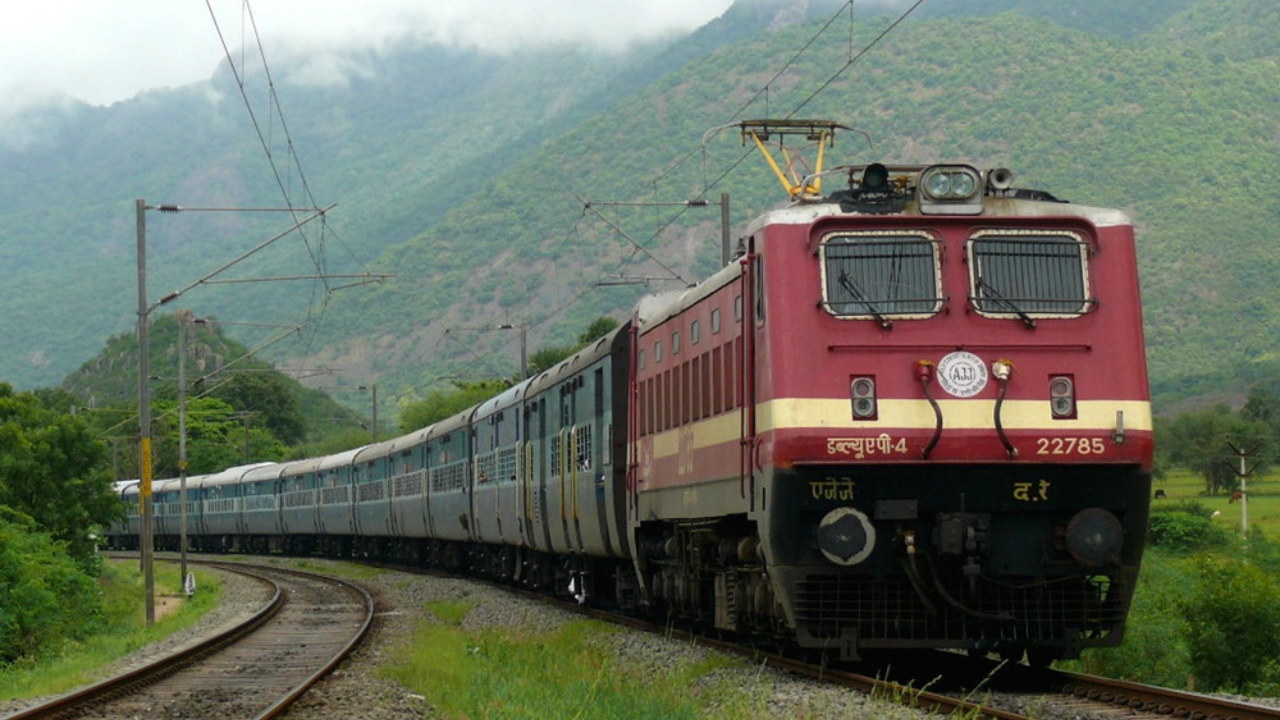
x=1041 y=658
x=1012 y=655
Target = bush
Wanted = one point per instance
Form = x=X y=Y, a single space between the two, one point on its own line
x=1153 y=650
x=46 y=598
x=1232 y=625
x=1185 y=526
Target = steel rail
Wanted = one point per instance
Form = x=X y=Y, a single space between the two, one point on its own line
x=132 y=681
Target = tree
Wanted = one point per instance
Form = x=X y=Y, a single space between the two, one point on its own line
x=1261 y=406
x=45 y=595
x=218 y=437
x=1197 y=441
x=442 y=404
x=548 y=357
x=1232 y=624
x=269 y=395
x=54 y=471
x=598 y=328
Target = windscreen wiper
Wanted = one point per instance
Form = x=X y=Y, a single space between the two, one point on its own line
x=853 y=290
x=995 y=294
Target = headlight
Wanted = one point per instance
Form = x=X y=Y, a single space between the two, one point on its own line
x=938 y=185
x=846 y=536
x=950 y=183
x=1095 y=537
x=951 y=190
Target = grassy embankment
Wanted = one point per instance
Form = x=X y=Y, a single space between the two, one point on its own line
x=571 y=671
x=124 y=630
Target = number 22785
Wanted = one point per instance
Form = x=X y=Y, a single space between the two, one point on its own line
x=1070 y=446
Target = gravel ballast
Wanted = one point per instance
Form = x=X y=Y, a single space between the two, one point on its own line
x=358 y=690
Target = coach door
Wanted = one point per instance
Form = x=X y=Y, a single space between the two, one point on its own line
x=527 y=470
x=748 y=307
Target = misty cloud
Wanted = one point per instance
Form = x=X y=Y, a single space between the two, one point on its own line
x=108 y=50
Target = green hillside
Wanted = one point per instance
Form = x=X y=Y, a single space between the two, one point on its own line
x=460 y=173
x=1184 y=138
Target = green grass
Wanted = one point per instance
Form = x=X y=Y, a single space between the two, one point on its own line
x=570 y=672
x=125 y=630
x=345 y=570
x=1264 y=501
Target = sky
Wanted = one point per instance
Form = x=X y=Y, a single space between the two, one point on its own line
x=104 y=51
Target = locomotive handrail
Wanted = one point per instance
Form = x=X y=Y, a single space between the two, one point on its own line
x=924 y=370
x=1002 y=370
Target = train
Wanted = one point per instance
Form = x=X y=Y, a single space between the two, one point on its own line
x=910 y=413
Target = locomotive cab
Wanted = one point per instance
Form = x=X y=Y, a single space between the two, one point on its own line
x=921 y=419
x=965 y=461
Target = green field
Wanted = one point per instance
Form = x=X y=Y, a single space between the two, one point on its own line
x=1263 y=501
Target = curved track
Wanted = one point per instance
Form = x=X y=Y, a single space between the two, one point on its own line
x=1001 y=682
x=254 y=670
x=1154 y=702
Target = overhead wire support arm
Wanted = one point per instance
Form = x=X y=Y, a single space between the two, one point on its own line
x=171 y=208
x=178 y=293
x=586 y=205
x=697 y=202
x=371 y=277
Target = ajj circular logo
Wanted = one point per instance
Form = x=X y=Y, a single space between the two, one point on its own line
x=962 y=374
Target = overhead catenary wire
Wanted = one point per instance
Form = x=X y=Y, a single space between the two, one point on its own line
x=319 y=301
x=708 y=186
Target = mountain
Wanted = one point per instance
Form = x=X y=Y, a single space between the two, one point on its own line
x=464 y=176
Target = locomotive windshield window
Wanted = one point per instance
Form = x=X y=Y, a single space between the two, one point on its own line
x=880 y=275
x=1025 y=274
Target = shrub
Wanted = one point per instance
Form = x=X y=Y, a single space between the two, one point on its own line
x=46 y=598
x=1185 y=526
x=1153 y=650
x=1232 y=625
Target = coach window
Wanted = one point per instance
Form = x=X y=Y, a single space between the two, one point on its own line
x=657 y=351
x=687 y=395
x=759 y=291
x=668 y=390
x=640 y=361
x=715 y=321
x=881 y=275
x=717 y=382
x=675 y=343
x=706 y=385
x=694 y=335
x=1026 y=274
x=737 y=308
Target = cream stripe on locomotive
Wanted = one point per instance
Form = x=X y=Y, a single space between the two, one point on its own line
x=794 y=413
x=788 y=413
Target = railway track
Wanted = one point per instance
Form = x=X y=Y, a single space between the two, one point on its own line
x=955 y=684
x=1148 y=701
x=979 y=688
x=1063 y=693
x=253 y=670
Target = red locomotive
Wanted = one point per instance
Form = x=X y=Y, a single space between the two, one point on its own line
x=914 y=413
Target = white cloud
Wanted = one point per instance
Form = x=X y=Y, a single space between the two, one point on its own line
x=102 y=51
